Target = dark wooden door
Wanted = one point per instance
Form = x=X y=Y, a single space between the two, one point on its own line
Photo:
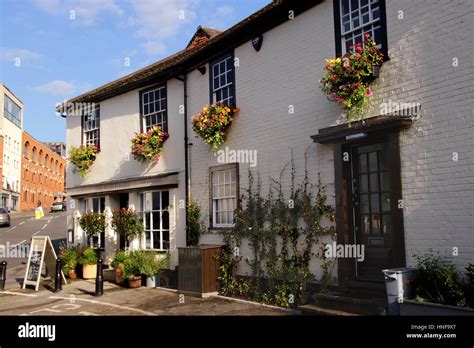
x=372 y=202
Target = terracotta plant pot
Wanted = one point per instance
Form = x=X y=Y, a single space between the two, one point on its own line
x=119 y=275
x=72 y=274
x=89 y=271
x=134 y=282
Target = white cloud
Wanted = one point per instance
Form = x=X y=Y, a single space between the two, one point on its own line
x=9 y=55
x=86 y=12
x=159 y=20
x=219 y=18
x=225 y=10
x=58 y=88
x=52 y=7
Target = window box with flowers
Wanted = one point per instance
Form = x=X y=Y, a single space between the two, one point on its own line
x=212 y=123
x=147 y=147
x=348 y=78
x=82 y=158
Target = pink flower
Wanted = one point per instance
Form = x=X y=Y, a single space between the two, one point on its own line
x=357 y=84
x=366 y=35
x=368 y=92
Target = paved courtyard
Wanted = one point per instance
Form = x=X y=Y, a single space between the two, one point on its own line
x=77 y=299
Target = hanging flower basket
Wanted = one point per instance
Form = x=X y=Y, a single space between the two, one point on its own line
x=147 y=147
x=82 y=158
x=212 y=123
x=347 y=79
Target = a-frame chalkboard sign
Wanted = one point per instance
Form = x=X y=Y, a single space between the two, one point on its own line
x=41 y=251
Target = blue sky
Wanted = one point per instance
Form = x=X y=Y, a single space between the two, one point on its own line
x=67 y=47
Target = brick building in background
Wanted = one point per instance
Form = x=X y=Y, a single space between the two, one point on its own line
x=42 y=175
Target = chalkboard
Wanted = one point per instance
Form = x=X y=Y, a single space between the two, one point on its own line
x=35 y=265
x=41 y=251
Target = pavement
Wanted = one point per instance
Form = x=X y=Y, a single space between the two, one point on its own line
x=77 y=297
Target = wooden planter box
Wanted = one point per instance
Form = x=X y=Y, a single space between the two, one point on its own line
x=198 y=270
x=427 y=308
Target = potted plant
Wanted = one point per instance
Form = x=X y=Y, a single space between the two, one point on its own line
x=117 y=264
x=82 y=158
x=147 y=147
x=70 y=260
x=132 y=269
x=126 y=223
x=149 y=268
x=88 y=261
x=347 y=79
x=212 y=123
x=92 y=223
x=438 y=289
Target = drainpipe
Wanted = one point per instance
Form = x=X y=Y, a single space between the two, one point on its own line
x=186 y=164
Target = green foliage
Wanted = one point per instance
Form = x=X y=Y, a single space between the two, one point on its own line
x=469 y=286
x=281 y=233
x=92 y=223
x=126 y=223
x=141 y=262
x=194 y=226
x=119 y=259
x=88 y=257
x=82 y=158
x=69 y=256
x=436 y=280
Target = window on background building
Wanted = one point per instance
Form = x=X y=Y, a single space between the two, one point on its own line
x=224 y=193
x=25 y=196
x=33 y=154
x=222 y=80
x=355 y=18
x=46 y=159
x=26 y=149
x=91 y=125
x=12 y=111
x=156 y=220
x=153 y=106
x=40 y=157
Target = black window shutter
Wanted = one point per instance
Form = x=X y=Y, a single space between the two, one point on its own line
x=337 y=27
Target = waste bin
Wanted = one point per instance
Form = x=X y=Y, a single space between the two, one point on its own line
x=398 y=283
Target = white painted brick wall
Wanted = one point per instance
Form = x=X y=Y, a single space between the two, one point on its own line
x=438 y=193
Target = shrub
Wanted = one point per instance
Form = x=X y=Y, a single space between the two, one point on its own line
x=92 y=223
x=82 y=158
x=69 y=257
x=89 y=257
x=119 y=259
x=126 y=222
x=140 y=262
x=436 y=280
x=193 y=225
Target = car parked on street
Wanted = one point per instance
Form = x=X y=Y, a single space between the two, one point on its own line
x=58 y=206
x=4 y=217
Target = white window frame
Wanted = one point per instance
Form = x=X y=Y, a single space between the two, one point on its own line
x=229 y=85
x=151 y=105
x=216 y=187
x=91 y=125
x=367 y=28
x=146 y=202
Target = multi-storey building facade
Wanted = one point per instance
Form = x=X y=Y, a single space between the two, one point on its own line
x=11 y=125
x=43 y=175
x=58 y=147
x=401 y=182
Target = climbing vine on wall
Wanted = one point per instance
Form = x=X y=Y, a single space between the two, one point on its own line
x=283 y=234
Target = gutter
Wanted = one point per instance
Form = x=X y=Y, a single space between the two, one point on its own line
x=184 y=79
